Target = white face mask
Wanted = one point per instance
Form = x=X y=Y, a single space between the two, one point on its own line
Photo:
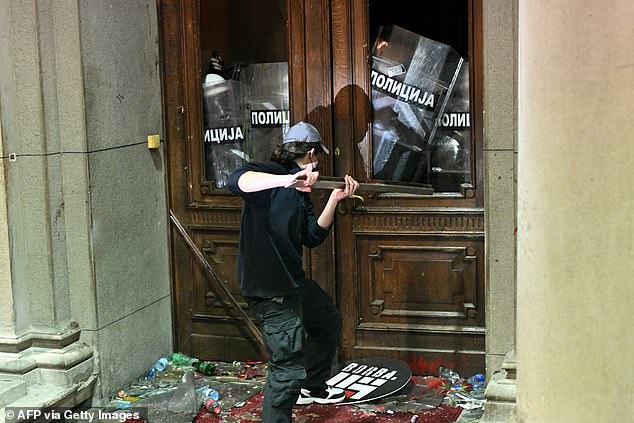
x=314 y=164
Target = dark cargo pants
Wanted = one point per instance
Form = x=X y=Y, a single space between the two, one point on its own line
x=302 y=333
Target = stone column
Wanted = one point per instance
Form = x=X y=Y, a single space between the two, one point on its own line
x=575 y=202
x=45 y=255
x=500 y=154
x=7 y=316
x=84 y=266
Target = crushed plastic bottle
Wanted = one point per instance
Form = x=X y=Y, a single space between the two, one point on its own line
x=213 y=406
x=161 y=364
x=449 y=375
x=210 y=393
x=206 y=393
x=178 y=404
x=477 y=382
x=210 y=399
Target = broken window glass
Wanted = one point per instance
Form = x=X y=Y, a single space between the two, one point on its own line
x=223 y=131
x=243 y=66
x=420 y=111
x=245 y=118
x=265 y=89
x=450 y=164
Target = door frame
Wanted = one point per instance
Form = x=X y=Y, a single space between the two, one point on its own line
x=322 y=63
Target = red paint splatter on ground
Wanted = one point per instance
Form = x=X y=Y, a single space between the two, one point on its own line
x=420 y=366
x=332 y=414
x=434 y=383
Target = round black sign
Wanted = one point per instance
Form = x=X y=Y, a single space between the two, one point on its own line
x=367 y=379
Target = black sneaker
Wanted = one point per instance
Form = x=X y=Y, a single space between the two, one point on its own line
x=329 y=395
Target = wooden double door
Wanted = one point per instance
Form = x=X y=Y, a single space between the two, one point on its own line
x=406 y=270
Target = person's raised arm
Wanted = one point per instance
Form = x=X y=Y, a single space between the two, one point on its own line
x=252 y=181
x=259 y=181
x=328 y=214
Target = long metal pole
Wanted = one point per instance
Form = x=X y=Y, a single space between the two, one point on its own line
x=211 y=274
x=327 y=182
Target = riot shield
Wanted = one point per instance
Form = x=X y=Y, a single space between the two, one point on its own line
x=265 y=95
x=412 y=79
x=224 y=128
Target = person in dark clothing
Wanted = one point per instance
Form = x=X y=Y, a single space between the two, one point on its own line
x=302 y=327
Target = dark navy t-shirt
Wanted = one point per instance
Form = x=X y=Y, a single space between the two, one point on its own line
x=276 y=223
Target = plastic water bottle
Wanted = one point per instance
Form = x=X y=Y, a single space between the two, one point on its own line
x=209 y=393
x=161 y=364
x=210 y=399
x=477 y=381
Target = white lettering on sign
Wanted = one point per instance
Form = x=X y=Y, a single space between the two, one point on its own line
x=219 y=135
x=454 y=120
x=402 y=91
x=364 y=370
x=364 y=382
x=269 y=118
x=369 y=371
x=354 y=381
x=380 y=372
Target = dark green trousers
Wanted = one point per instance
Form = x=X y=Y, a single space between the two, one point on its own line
x=302 y=333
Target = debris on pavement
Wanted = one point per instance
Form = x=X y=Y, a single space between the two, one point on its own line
x=420 y=394
x=468 y=394
x=177 y=390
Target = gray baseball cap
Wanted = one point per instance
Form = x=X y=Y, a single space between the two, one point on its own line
x=304 y=132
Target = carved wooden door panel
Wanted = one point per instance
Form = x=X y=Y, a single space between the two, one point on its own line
x=410 y=268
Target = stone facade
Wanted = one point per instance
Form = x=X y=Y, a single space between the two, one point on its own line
x=86 y=303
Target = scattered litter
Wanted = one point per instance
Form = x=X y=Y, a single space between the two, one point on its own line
x=161 y=364
x=181 y=359
x=176 y=405
x=468 y=394
x=183 y=388
x=420 y=394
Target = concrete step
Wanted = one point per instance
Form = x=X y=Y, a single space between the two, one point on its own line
x=11 y=390
x=43 y=396
x=510 y=365
x=501 y=394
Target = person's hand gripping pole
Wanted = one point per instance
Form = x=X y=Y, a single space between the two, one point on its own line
x=348 y=191
x=304 y=179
